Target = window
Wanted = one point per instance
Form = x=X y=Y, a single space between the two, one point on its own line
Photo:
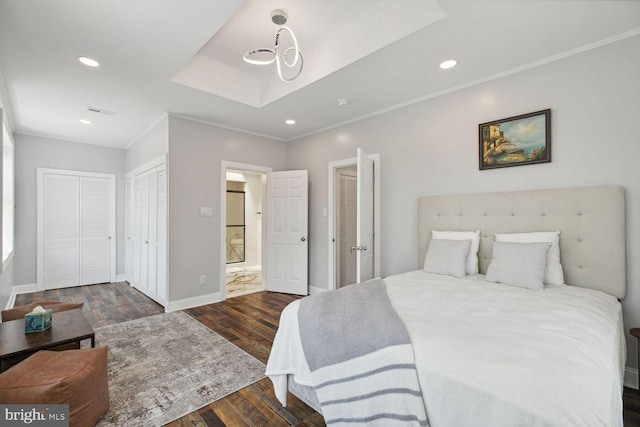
x=8 y=200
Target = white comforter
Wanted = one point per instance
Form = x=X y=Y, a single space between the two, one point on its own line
x=496 y=355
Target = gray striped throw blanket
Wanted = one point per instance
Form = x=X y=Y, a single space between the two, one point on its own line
x=360 y=358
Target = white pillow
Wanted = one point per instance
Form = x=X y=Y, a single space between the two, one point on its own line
x=474 y=236
x=518 y=264
x=447 y=257
x=553 y=274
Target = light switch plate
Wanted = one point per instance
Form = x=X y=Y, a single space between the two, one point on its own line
x=206 y=211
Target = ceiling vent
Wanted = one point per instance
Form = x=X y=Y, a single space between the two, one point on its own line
x=101 y=111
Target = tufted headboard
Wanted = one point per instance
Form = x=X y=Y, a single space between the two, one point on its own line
x=591 y=221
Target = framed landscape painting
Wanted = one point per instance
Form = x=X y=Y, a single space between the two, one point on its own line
x=515 y=141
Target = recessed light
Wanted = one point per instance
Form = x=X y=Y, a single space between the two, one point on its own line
x=85 y=122
x=290 y=122
x=450 y=63
x=89 y=62
x=343 y=102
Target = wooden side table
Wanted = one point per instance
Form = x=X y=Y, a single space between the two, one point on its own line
x=69 y=327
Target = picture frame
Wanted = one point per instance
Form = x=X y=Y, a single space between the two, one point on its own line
x=515 y=141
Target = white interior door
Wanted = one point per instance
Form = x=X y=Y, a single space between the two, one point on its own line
x=95 y=230
x=162 y=235
x=365 y=232
x=144 y=232
x=128 y=231
x=152 y=255
x=287 y=225
x=61 y=231
x=149 y=231
x=137 y=230
x=75 y=228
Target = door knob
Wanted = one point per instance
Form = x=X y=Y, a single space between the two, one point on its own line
x=303 y=239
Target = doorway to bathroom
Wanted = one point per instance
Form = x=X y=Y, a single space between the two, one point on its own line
x=244 y=236
x=354 y=219
x=346 y=225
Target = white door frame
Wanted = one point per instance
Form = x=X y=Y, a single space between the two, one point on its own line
x=333 y=166
x=40 y=211
x=223 y=219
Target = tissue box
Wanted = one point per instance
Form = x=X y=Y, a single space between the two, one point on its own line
x=37 y=322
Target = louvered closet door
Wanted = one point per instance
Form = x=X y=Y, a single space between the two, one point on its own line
x=149 y=205
x=144 y=233
x=61 y=232
x=137 y=231
x=95 y=230
x=128 y=230
x=152 y=252
x=162 y=234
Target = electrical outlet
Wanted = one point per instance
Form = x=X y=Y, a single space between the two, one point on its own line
x=203 y=279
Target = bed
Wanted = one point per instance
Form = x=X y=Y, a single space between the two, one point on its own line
x=498 y=355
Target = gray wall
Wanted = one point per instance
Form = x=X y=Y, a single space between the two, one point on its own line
x=33 y=152
x=149 y=146
x=431 y=148
x=196 y=152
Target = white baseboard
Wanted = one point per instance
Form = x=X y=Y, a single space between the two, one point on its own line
x=316 y=290
x=121 y=277
x=19 y=289
x=193 y=302
x=631 y=378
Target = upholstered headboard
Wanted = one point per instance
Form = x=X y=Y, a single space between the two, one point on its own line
x=591 y=221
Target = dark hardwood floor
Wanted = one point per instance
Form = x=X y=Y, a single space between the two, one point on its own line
x=248 y=321
x=104 y=304
x=631 y=399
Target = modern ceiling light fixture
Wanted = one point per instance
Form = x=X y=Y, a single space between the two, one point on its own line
x=89 y=62
x=279 y=55
x=449 y=63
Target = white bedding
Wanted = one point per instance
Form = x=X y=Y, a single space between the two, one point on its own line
x=495 y=355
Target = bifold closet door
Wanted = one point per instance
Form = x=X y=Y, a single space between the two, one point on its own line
x=158 y=243
x=75 y=229
x=144 y=233
x=95 y=235
x=128 y=230
x=149 y=244
x=137 y=232
x=152 y=238
x=62 y=217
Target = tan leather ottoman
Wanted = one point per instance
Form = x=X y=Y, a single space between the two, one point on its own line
x=74 y=377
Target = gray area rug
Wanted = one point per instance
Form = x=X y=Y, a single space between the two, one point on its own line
x=166 y=366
